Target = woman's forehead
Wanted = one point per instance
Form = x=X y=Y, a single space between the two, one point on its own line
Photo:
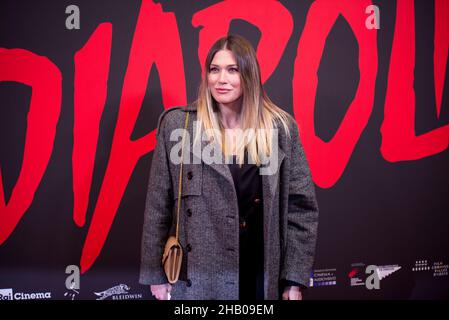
x=224 y=58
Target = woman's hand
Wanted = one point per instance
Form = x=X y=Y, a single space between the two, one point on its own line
x=161 y=291
x=292 y=293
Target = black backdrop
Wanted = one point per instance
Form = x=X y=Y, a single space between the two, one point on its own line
x=378 y=212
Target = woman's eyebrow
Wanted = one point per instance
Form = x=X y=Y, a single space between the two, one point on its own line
x=229 y=65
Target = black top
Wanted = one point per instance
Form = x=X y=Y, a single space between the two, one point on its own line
x=248 y=186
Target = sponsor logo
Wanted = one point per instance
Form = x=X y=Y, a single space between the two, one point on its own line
x=421 y=265
x=356 y=275
x=385 y=271
x=323 y=277
x=8 y=294
x=439 y=269
x=371 y=275
x=119 y=292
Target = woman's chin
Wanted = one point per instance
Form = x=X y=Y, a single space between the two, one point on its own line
x=225 y=101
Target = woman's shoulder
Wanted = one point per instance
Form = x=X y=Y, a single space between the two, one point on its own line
x=292 y=127
x=166 y=116
x=173 y=116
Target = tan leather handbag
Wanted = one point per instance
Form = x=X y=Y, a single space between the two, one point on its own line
x=172 y=257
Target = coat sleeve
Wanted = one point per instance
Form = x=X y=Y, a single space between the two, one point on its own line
x=302 y=216
x=158 y=211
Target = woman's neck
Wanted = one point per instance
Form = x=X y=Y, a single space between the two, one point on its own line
x=230 y=114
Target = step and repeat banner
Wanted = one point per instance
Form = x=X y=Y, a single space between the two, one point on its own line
x=82 y=86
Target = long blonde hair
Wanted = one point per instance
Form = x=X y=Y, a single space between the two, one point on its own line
x=258 y=111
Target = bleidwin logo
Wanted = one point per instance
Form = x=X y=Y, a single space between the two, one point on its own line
x=119 y=292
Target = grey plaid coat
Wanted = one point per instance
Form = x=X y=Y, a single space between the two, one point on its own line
x=209 y=224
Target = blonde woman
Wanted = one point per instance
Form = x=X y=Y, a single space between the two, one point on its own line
x=248 y=216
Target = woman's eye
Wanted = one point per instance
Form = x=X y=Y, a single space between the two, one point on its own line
x=213 y=69
x=234 y=70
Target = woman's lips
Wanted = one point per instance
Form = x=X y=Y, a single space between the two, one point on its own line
x=223 y=90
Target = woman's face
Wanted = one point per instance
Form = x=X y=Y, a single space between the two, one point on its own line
x=224 y=78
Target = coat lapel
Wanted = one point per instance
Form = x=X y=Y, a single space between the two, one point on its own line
x=221 y=168
x=196 y=155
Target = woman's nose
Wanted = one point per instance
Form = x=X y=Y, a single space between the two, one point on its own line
x=222 y=77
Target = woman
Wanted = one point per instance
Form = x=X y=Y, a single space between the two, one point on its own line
x=245 y=234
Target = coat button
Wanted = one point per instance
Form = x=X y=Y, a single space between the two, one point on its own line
x=189 y=212
x=243 y=224
x=188 y=247
x=188 y=283
x=189 y=175
x=257 y=201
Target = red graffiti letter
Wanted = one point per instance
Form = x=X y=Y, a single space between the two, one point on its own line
x=91 y=76
x=273 y=19
x=441 y=48
x=399 y=141
x=328 y=159
x=44 y=78
x=156 y=41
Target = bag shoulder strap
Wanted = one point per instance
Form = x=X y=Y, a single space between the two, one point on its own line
x=180 y=174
